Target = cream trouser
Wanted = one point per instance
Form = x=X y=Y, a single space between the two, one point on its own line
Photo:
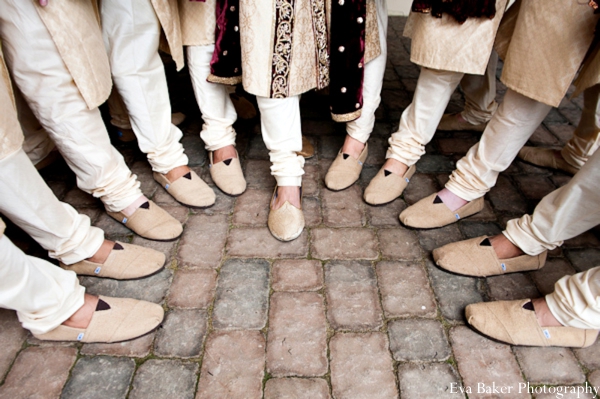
x=575 y=301
x=361 y=128
x=480 y=94
x=213 y=100
x=43 y=295
x=282 y=134
x=79 y=133
x=131 y=32
x=29 y=203
x=586 y=138
x=509 y=129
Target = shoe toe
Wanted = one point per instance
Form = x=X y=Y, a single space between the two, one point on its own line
x=286 y=223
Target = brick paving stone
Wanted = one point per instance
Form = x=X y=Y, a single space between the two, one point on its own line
x=352 y=300
x=178 y=211
x=429 y=380
x=148 y=185
x=202 y=242
x=377 y=150
x=568 y=392
x=76 y=198
x=405 y=290
x=367 y=174
x=505 y=197
x=594 y=380
x=111 y=227
x=312 y=211
x=482 y=361
x=49 y=365
x=233 y=366
x=562 y=131
x=181 y=334
x=511 y=286
x=194 y=149
x=456 y=145
x=361 y=367
x=418 y=340
x=399 y=244
x=554 y=270
x=453 y=292
x=329 y=146
x=99 y=378
x=242 y=295
x=223 y=204
x=435 y=164
x=159 y=379
x=254 y=242
x=310 y=180
x=584 y=259
x=474 y=229
x=535 y=187
x=435 y=238
x=139 y=347
x=163 y=198
x=564 y=370
x=192 y=289
x=166 y=247
x=560 y=180
x=152 y=289
x=590 y=356
x=587 y=239
x=297 y=275
x=485 y=215
x=542 y=137
x=257 y=148
x=92 y=213
x=420 y=186
x=252 y=208
x=12 y=336
x=296 y=388
x=259 y=174
x=343 y=244
x=522 y=167
x=297 y=342
x=343 y=208
x=386 y=216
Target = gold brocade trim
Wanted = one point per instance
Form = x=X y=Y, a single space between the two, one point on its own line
x=282 y=51
x=319 y=18
x=372 y=45
x=234 y=80
x=346 y=117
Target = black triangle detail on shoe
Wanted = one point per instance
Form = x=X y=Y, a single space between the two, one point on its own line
x=227 y=161
x=118 y=246
x=529 y=306
x=438 y=200
x=485 y=243
x=345 y=156
x=188 y=175
x=102 y=305
x=145 y=205
x=386 y=172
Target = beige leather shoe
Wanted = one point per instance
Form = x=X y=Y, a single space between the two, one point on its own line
x=115 y=320
x=228 y=175
x=308 y=150
x=428 y=214
x=387 y=186
x=287 y=222
x=125 y=262
x=345 y=170
x=515 y=323
x=545 y=158
x=451 y=122
x=476 y=257
x=189 y=189
x=150 y=221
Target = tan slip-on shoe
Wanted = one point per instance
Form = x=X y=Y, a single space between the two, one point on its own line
x=387 y=186
x=150 y=221
x=345 y=170
x=189 y=189
x=308 y=150
x=431 y=212
x=228 y=175
x=451 y=122
x=476 y=257
x=515 y=323
x=545 y=158
x=287 y=222
x=115 y=320
x=125 y=262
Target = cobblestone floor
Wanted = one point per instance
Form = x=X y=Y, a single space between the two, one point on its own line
x=354 y=308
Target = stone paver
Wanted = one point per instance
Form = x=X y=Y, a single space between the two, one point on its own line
x=12 y=336
x=343 y=244
x=361 y=367
x=233 y=366
x=511 y=286
x=584 y=259
x=39 y=373
x=152 y=289
x=159 y=379
x=429 y=380
x=297 y=344
x=295 y=388
x=435 y=238
x=252 y=208
x=99 y=377
x=405 y=290
x=594 y=379
x=181 y=334
x=399 y=243
x=564 y=370
x=242 y=295
x=297 y=275
x=247 y=242
x=352 y=300
x=418 y=340
x=590 y=356
x=139 y=347
x=553 y=270
x=192 y=289
x=386 y=216
x=343 y=208
x=203 y=240
x=485 y=365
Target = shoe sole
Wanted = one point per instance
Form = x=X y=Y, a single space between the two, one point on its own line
x=126 y=279
x=289 y=239
x=340 y=189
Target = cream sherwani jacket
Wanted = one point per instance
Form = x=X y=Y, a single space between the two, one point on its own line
x=11 y=136
x=168 y=14
x=198 y=22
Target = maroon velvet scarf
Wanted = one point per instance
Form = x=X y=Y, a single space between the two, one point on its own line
x=460 y=10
